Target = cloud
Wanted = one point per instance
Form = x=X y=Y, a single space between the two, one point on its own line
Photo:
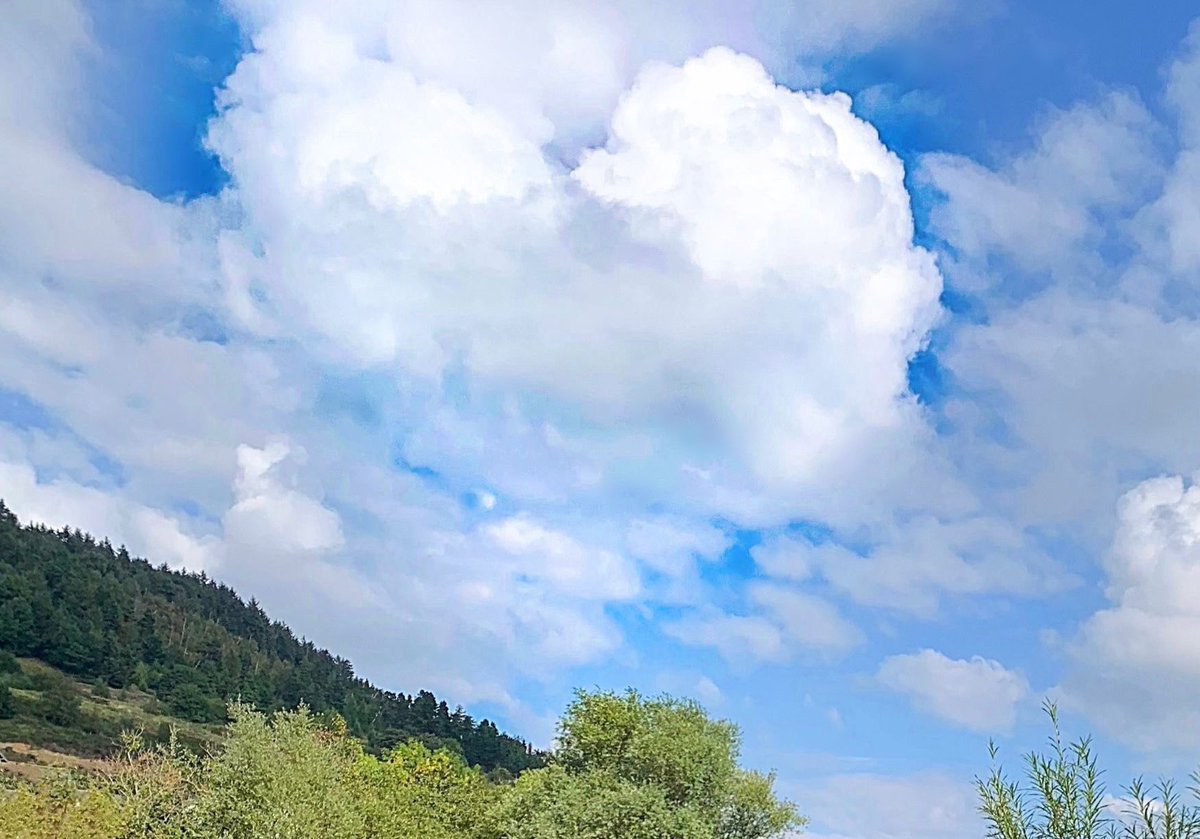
x=694 y=146
x=708 y=692
x=1044 y=209
x=979 y=694
x=874 y=806
x=1077 y=387
x=782 y=622
x=564 y=563
x=143 y=530
x=1173 y=217
x=1134 y=665
x=1068 y=393
x=912 y=565
x=671 y=546
x=557 y=69
x=735 y=637
x=677 y=327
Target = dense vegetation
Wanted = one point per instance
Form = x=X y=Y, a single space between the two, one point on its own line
x=626 y=768
x=1063 y=796
x=105 y=617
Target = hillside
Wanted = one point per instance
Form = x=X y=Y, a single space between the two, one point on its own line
x=178 y=645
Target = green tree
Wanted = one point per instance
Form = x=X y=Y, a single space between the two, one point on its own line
x=7 y=707
x=419 y=792
x=8 y=663
x=278 y=776
x=60 y=705
x=629 y=767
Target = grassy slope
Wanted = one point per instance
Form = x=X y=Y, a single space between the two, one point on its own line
x=101 y=720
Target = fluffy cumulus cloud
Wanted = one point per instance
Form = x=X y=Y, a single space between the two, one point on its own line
x=979 y=694
x=427 y=284
x=1136 y=664
x=717 y=357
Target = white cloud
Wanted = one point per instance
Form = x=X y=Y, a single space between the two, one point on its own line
x=562 y=562
x=1135 y=666
x=1044 y=209
x=691 y=148
x=1070 y=396
x=912 y=565
x=708 y=692
x=143 y=530
x=284 y=518
x=1092 y=389
x=736 y=637
x=807 y=621
x=929 y=805
x=784 y=622
x=1067 y=393
x=1174 y=215
x=1092 y=380
x=775 y=357
x=979 y=694
x=556 y=69
x=672 y=546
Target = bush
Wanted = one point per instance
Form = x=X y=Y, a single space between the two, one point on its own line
x=60 y=705
x=9 y=663
x=1063 y=797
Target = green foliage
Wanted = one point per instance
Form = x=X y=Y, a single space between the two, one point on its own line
x=627 y=766
x=8 y=663
x=298 y=775
x=7 y=706
x=1063 y=797
x=104 y=617
x=283 y=777
x=60 y=705
x=59 y=809
x=418 y=792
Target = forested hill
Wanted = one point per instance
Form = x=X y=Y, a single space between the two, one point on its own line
x=99 y=614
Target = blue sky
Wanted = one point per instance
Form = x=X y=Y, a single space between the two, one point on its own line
x=504 y=352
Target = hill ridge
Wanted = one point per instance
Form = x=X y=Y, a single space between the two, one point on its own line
x=97 y=613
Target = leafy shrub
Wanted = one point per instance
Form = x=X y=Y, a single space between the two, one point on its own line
x=1063 y=797
x=9 y=663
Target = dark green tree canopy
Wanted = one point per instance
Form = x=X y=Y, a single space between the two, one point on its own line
x=105 y=617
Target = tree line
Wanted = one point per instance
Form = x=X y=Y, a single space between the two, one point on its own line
x=99 y=614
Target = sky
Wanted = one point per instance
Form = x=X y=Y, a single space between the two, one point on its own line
x=836 y=364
